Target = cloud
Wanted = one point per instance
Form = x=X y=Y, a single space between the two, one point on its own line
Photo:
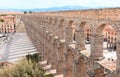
x=53 y=3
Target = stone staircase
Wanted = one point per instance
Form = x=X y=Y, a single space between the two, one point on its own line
x=19 y=46
x=48 y=69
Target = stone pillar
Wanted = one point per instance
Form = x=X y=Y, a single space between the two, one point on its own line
x=54 y=54
x=81 y=67
x=118 y=59
x=44 y=41
x=45 y=45
x=50 y=48
x=68 y=70
x=96 y=51
x=96 y=46
x=69 y=35
x=80 y=39
x=61 y=32
x=51 y=26
x=60 y=61
x=99 y=72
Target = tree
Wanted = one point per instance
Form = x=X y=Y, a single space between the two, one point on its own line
x=1 y=20
x=25 y=12
x=30 y=12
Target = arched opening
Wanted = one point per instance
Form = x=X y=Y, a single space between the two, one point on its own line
x=87 y=31
x=55 y=30
x=74 y=29
x=101 y=47
x=107 y=38
x=110 y=38
x=83 y=35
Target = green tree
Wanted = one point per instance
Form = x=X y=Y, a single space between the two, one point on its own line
x=25 y=12
x=30 y=12
x=1 y=20
x=3 y=14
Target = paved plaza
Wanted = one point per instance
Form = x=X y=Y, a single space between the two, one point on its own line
x=16 y=47
x=106 y=52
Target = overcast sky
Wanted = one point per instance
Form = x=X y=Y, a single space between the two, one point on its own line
x=28 y=4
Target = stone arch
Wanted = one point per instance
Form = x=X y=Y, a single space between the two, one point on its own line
x=97 y=42
x=69 y=58
x=82 y=25
x=70 y=24
x=50 y=25
x=100 y=28
x=80 y=35
x=98 y=32
x=61 y=23
x=55 y=21
x=47 y=23
x=55 y=26
x=50 y=20
x=69 y=33
x=81 y=67
x=61 y=29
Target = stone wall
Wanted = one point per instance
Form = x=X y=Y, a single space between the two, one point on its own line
x=52 y=34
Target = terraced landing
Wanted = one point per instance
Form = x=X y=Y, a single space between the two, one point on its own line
x=19 y=46
x=48 y=69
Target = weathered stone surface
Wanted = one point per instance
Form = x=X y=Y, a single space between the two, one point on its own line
x=53 y=34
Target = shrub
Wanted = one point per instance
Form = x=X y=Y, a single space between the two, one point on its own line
x=27 y=67
x=34 y=58
x=25 y=12
x=3 y=14
x=30 y=12
x=23 y=68
x=1 y=20
x=49 y=75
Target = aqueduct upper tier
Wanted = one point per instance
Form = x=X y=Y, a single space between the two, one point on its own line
x=82 y=43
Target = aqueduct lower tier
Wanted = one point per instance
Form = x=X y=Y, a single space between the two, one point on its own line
x=60 y=38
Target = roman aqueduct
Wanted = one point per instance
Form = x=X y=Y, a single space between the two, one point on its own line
x=60 y=38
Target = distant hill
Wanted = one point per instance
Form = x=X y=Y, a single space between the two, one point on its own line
x=48 y=9
x=52 y=9
x=60 y=8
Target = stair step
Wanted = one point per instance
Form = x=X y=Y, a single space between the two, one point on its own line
x=52 y=71
x=20 y=55
x=29 y=48
x=61 y=75
x=21 y=47
x=27 y=51
x=20 y=44
x=43 y=62
x=47 y=67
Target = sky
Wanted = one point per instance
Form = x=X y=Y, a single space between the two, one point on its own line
x=30 y=4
